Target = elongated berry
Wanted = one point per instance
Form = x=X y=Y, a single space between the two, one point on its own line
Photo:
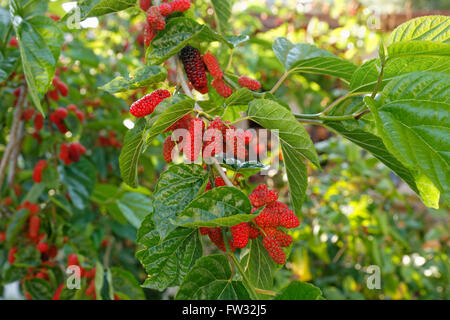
x=145 y=4
x=194 y=68
x=38 y=122
x=289 y=220
x=193 y=145
x=37 y=172
x=222 y=88
x=165 y=9
x=283 y=239
x=212 y=65
x=180 y=5
x=253 y=232
x=147 y=104
x=274 y=250
x=42 y=247
x=12 y=255
x=267 y=219
x=249 y=83
x=34 y=224
x=168 y=146
x=240 y=234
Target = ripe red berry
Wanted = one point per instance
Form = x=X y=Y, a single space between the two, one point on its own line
x=75 y=151
x=64 y=154
x=289 y=220
x=12 y=255
x=155 y=18
x=218 y=181
x=42 y=247
x=62 y=88
x=8 y=201
x=13 y=42
x=274 y=250
x=72 y=107
x=147 y=104
x=193 y=145
x=249 y=83
x=180 y=5
x=33 y=208
x=204 y=230
x=38 y=122
x=240 y=234
x=2 y=236
x=61 y=113
x=149 y=34
x=182 y=123
x=37 y=172
x=80 y=115
x=34 y=224
x=53 y=94
x=194 y=68
x=72 y=260
x=267 y=218
x=167 y=149
x=222 y=88
x=258 y=196
x=27 y=114
x=261 y=196
x=212 y=65
x=165 y=9
x=253 y=232
x=283 y=239
x=145 y=4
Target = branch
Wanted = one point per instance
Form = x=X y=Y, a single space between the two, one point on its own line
x=13 y=134
x=222 y=173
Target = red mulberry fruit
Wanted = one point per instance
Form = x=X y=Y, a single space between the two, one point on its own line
x=289 y=220
x=167 y=149
x=249 y=83
x=194 y=68
x=240 y=234
x=212 y=65
x=222 y=88
x=147 y=104
x=274 y=250
x=37 y=172
x=165 y=9
x=145 y=4
x=180 y=5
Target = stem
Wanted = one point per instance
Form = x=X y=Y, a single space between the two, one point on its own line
x=181 y=79
x=239 y=120
x=222 y=173
x=336 y=102
x=266 y=292
x=246 y=281
x=380 y=79
x=211 y=176
x=280 y=81
x=14 y=132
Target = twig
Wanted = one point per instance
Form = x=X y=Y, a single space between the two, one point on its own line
x=222 y=173
x=14 y=131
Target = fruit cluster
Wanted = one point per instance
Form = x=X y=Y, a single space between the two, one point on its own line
x=219 y=137
x=156 y=16
x=58 y=87
x=72 y=152
x=274 y=215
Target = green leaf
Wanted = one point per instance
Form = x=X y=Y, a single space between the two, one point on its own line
x=224 y=206
x=354 y=132
x=273 y=116
x=241 y=96
x=412 y=119
x=96 y=8
x=366 y=76
x=8 y=64
x=139 y=78
x=175 y=189
x=131 y=150
x=126 y=287
x=39 y=45
x=28 y=257
x=306 y=58
x=16 y=223
x=135 y=207
x=39 y=289
x=298 y=290
x=79 y=178
x=177 y=110
x=167 y=260
x=257 y=264
x=211 y=279
x=177 y=34
x=433 y=28
x=297 y=176
x=222 y=12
